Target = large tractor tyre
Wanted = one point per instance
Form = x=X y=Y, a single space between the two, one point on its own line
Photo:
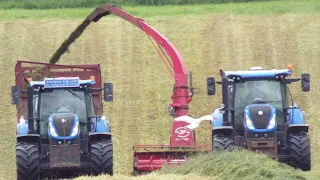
x=223 y=142
x=299 y=151
x=27 y=157
x=102 y=158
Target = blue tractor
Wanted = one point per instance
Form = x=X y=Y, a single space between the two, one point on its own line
x=258 y=113
x=59 y=132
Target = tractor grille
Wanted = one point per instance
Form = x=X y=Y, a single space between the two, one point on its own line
x=260 y=121
x=64 y=129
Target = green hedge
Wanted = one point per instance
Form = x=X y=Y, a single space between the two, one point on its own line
x=56 y=4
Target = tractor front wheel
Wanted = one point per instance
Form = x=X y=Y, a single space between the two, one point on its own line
x=27 y=157
x=221 y=142
x=299 y=151
x=102 y=157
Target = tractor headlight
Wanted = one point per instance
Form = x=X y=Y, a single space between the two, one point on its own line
x=75 y=129
x=52 y=131
x=272 y=122
x=249 y=123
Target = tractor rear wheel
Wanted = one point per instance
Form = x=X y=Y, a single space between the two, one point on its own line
x=27 y=157
x=221 y=142
x=102 y=157
x=299 y=151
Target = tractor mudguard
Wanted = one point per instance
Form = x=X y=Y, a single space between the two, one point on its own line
x=218 y=119
x=296 y=116
x=100 y=125
x=99 y=136
x=226 y=130
x=295 y=128
x=29 y=138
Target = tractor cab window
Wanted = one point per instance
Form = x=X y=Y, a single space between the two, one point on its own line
x=230 y=100
x=90 y=104
x=35 y=109
x=251 y=92
x=35 y=105
x=62 y=101
x=230 y=95
x=286 y=95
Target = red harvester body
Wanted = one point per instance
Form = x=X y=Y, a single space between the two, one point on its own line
x=182 y=140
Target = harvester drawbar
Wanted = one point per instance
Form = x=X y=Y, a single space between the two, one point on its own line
x=182 y=141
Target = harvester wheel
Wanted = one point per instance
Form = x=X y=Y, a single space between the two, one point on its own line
x=299 y=151
x=102 y=157
x=223 y=142
x=27 y=157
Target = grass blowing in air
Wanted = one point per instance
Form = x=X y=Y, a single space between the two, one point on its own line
x=65 y=45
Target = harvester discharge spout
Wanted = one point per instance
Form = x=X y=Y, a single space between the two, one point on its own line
x=182 y=141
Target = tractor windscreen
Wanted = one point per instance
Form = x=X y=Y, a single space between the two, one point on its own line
x=253 y=92
x=64 y=101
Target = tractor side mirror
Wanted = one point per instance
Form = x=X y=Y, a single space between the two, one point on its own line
x=211 y=86
x=108 y=92
x=305 y=82
x=15 y=95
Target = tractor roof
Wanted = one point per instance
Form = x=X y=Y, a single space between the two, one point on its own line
x=259 y=73
x=62 y=82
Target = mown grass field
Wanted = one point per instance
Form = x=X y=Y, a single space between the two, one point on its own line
x=53 y=4
x=238 y=165
x=251 y=8
x=232 y=36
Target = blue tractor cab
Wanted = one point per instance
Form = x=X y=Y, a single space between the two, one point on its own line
x=69 y=98
x=64 y=129
x=258 y=113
